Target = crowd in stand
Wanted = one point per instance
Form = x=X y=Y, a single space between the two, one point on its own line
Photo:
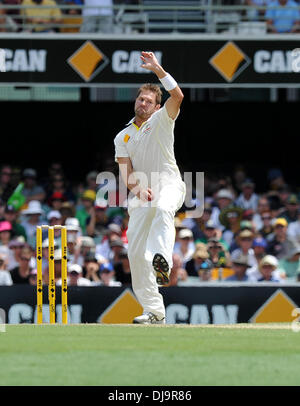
x=241 y=235
x=281 y=16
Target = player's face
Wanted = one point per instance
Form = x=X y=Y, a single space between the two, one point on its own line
x=145 y=105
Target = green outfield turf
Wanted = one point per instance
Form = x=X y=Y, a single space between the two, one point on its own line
x=149 y=355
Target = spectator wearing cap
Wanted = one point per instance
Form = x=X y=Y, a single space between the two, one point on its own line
x=66 y=210
x=205 y=271
x=31 y=190
x=259 y=246
x=75 y=277
x=218 y=254
x=113 y=233
x=267 y=268
x=5 y=233
x=185 y=246
x=5 y=276
x=290 y=264
x=74 y=249
x=15 y=247
x=223 y=198
x=73 y=226
x=54 y=219
x=248 y=199
x=11 y=215
x=199 y=256
x=97 y=222
x=244 y=241
x=107 y=275
x=230 y=218
x=20 y=274
x=56 y=201
x=240 y=265
x=122 y=268
x=291 y=210
x=87 y=245
x=84 y=212
x=263 y=206
x=32 y=219
x=275 y=178
x=293 y=230
x=279 y=243
x=210 y=231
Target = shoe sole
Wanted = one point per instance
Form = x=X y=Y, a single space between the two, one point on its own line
x=161 y=269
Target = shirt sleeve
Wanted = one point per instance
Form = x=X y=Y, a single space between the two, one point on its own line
x=120 y=148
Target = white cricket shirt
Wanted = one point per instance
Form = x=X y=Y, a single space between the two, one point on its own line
x=150 y=147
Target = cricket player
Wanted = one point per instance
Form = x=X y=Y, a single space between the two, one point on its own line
x=144 y=151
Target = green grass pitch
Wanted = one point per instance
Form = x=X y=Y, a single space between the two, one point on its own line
x=149 y=355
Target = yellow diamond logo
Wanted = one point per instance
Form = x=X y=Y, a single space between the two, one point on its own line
x=230 y=61
x=277 y=309
x=88 y=61
x=122 y=310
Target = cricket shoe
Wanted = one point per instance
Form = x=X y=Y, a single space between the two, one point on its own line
x=148 y=318
x=161 y=269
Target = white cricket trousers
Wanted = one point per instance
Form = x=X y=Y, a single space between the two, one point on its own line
x=151 y=230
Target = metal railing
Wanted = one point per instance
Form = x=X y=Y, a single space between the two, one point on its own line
x=149 y=17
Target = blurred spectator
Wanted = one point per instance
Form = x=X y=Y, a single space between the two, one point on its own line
x=255 y=14
x=291 y=264
x=5 y=233
x=185 y=246
x=15 y=247
x=239 y=175
x=14 y=15
x=122 y=268
x=200 y=222
x=71 y=18
x=291 y=211
x=293 y=230
x=177 y=273
x=73 y=227
x=98 y=18
x=247 y=199
x=41 y=19
x=56 y=201
x=75 y=277
x=263 y=206
x=91 y=268
x=267 y=268
x=67 y=209
x=91 y=181
x=267 y=227
x=58 y=184
x=259 y=246
x=224 y=199
x=5 y=276
x=31 y=190
x=283 y=16
x=54 y=219
x=193 y=265
x=240 y=265
x=205 y=271
x=6 y=186
x=230 y=218
x=218 y=254
x=97 y=222
x=11 y=215
x=103 y=249
x=74 y=254
x=84 y=212
x=116 y=247
x=32 y=220
x=20 y=274
x=210 y=231
x=33 y=277
x=276 y=179
x=107 y=274
x=245 y=240
x=278 y=242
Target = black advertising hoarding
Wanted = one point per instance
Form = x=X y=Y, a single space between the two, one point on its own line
x=194 y=61
x=222 y=303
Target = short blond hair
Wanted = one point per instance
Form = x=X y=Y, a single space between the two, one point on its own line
x=152 y=88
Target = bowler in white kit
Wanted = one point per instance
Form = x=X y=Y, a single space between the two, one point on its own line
x=144 y=151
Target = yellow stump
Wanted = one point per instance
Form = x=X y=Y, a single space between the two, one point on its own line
x=39 y=280
x=64 y=274
x=51 y=287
